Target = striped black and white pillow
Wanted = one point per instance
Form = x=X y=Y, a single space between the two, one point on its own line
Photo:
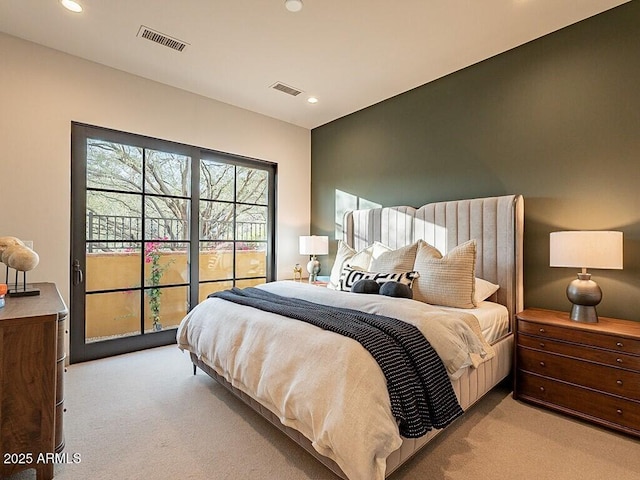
x=351 y=275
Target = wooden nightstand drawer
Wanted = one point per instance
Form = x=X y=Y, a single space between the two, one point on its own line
x=607 y=410
x=606 y=357
x=581 y=335
x=600 y=377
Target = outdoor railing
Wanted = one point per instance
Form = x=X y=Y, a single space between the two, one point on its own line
x=118 y=231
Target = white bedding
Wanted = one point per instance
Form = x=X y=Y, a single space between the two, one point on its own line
x=493 y=319
x=326 y=386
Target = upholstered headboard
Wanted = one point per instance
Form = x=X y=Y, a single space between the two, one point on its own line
x=497 y=224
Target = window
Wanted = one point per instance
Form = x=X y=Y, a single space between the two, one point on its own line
x=156 y=227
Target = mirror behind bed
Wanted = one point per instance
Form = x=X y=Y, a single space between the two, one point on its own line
x=497 y=224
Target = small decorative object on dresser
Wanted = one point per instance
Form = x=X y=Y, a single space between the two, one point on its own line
x=15 y=254
x=585 y=249
x=297 y=273
x=3 y=292
x=590 y=371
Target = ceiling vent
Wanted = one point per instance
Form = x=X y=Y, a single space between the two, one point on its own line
x=286 y=89
x=161 y=38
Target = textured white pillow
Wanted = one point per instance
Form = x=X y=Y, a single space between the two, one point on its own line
x=447 y=280
x=399 y=260
x=484 y=289
x=347 y=255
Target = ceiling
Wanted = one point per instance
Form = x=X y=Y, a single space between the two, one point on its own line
x=349 y=54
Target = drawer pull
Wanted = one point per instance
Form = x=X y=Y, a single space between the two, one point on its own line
x=619 y=360
x=619 y=382
x=541 y=345
x=619 y=344
x=619 y=411
x=542 y=364
x=542 y=389
x=542 y=330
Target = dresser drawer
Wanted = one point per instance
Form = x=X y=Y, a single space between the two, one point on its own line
x=616 y=381
x=607 y=357
x=581 y=335
x=597 y=407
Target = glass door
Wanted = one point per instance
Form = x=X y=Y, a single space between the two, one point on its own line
x=156 y=227
x=234 y=234
x=131 y=260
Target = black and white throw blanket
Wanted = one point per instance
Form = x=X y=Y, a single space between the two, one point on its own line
x=419 y=389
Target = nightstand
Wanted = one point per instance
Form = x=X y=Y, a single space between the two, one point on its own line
x=589 y=371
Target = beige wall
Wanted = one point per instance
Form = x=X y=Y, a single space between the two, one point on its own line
x=42 y=91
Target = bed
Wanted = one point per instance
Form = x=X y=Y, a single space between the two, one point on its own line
x=340 y=413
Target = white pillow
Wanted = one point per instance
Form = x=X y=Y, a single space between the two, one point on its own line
x=400 y=260
x=347 y=255
x=344 y=253
x=484 y=290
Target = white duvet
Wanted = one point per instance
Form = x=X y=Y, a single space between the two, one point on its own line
x=326 y=386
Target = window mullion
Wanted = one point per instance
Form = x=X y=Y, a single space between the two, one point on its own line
x=234 y=223
x=194 y=230
x=143 y=243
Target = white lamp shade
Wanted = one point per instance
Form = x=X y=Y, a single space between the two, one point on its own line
x=314 y=245
x=586 y=249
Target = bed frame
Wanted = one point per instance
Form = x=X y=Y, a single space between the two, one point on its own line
x=497 y=224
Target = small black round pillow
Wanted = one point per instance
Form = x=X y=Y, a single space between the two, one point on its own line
x=365 y=286
x=396 y=289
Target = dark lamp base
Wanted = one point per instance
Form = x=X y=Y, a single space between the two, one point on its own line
x=585 y=294
x=584 y=313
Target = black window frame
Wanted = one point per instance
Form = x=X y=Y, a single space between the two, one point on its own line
x=80 y=133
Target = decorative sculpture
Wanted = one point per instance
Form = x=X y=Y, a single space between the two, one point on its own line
x=15 y=254
x=297 y=273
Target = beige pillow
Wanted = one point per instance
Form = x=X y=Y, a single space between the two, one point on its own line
x=446 y=280
x=400 y=260
x=361 y=260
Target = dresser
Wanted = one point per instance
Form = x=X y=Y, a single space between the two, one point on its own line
x=32 y=359
x=589 y=371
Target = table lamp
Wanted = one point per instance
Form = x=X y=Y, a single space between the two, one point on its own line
x=585 y=249
x=314 y=245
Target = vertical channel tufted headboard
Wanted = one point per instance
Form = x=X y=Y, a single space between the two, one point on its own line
x=497 y=224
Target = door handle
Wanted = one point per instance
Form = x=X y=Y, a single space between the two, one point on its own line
x=78 y=276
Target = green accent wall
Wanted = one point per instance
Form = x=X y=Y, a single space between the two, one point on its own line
x=556 y=120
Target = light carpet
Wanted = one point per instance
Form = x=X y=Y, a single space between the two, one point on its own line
x=146 y=416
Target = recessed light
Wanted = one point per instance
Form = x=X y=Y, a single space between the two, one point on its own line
x=293 y=5
x=312 y=100
x=71 y=5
